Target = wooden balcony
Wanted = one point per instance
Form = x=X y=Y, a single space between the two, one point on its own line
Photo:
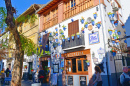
x=50 y=23
x=78 y=8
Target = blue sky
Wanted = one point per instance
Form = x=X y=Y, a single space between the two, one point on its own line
x=22 y=5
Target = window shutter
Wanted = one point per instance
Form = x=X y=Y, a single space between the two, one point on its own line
x=73 y=27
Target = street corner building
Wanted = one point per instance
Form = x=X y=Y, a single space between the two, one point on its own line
x=77 y=35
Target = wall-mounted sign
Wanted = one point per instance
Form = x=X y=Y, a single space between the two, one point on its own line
x=55 y=68
x=94 y=38
x=70 y=80
x=90 y=27
x=83 y=81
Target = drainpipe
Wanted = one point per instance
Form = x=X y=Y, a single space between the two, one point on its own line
x=104 y=43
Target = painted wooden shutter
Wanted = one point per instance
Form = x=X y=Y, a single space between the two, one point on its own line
x=73 y=27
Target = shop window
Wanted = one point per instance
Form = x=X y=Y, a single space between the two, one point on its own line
x=76 y=65
x=73 y=27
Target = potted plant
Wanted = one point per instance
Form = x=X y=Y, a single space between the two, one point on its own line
x=56 y=39
x=119 y=32
x=25 y=66
x=114 y=36
x=113 y=41
x=115 y=30
x=93 y=22
x=72 y=36
x=125 y=41
x=110 y=31
x=56 y=33
x=56 y=29
x=31 y=69
x=95 y=15
x=46 y=45
x=125 y=32
x=63 y=39
x=82 y=20
x=98 y=24
x=61 y=32
x=78 y=35
x=116 y=23
x=112 y=21
x=64 y=27
x=123 y=26
x=109 y=14
x=82 y=30
x=68 y=38
x=113 y=15
x=50 y=33
x=58 y=44
x=113 y=52
x=88 y=62
x=86 y=25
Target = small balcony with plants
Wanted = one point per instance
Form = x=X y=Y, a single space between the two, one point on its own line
x=73 y=42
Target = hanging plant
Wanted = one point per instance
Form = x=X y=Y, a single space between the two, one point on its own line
x=119 y=32
x=110 y=31
x=82 y=20
x=25 y=66
x=125 y=41
x=63 y=39
x=50 y=33
x=56 y=29
x=113 y=15
x=56 y=33
x=72 y=36
x=109 y=14
x=112 y=21
x=98 y=24
x=113 y=52
x=56 y=39
x=95 y=15
x=116 y=23
x=86 y=25
x=61 y=32
x=82 y=30
x=64 y=27
x=68 y=38
x=88 y=62
x=93 y=22
x=123 y=26
x=31 y=69
x=78 y=35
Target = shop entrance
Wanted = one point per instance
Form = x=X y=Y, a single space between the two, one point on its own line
x=45 y=68
x=29 y=71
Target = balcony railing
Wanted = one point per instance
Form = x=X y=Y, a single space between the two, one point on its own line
x=78 y=8
x=50 y=23
x=76 y=43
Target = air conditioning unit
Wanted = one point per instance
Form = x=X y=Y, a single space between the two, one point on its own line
x=114 y=6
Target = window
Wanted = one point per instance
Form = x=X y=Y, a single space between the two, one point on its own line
x=45 y=41
x=73 y=27
x=73 y=3
x=76 y=65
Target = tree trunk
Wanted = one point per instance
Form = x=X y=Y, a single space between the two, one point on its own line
x=19 y=53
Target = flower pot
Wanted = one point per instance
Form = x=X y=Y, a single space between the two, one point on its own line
x=115 y=31
x=82 y=21
x=58 y=44
x=46 y=46
x=88 y=63
x=98 y=25
x=72 y=20
x=64 y=28
x=56 y=34
x=114 y=53
x=113 y=42
x=72 y=37
x=109 y=16
x=56 y=29
x=93 y=23
x=86 y=26
x=68 y=39
x=115 y=37
x=63 y=40
x=50 y=34
x=56 y=40
x=123 y=26
x=125 y=41
x=110 y=32
x=113 y=15
x=119 y=33
x=95 y=16
x=112 y=21
x=117 y=43
x=78 y=36
x=82 y=31
x=62 y=33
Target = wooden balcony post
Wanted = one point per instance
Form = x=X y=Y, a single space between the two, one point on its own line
x=60 y=11
x=41 y=22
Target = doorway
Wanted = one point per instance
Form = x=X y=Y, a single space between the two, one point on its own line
x=29 y=71
x=45 y=68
